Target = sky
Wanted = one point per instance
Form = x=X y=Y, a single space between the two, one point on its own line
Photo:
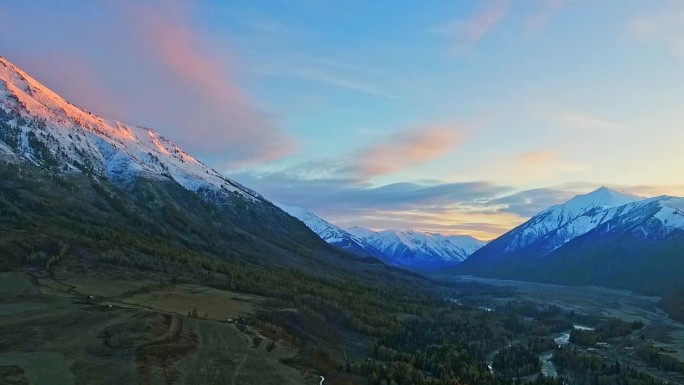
x=459 y=117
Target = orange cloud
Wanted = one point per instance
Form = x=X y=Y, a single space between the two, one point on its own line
x=405 y=149
x=536 y=157
x=652 y=191
x=484 y=225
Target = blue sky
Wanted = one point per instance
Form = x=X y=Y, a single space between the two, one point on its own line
x=449 y=116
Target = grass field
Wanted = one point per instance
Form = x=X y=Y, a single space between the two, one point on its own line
x=230 y=357
x=46 y=367
x=48 y=336
x=106 y=287
x=209 y=303
x=15 y=284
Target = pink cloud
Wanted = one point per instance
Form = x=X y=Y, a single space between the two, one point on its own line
x=547 y=9
x=147 y=63
x=406 y=149
x=225 y=117
x=467 y=32
x=479 y=25
x=76 y=80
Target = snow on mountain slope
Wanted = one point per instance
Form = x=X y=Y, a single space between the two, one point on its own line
x=466 y=243
x=331 y=233
x=361 y=232
x=603 y=224
x=406 y=248
x=672 y=213
x=603 y=238
x=414 y=248
x=41 y=127
x=559 y=224
x=327 y=231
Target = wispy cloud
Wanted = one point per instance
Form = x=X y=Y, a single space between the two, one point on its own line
x=587 y=122
x=153 y=66
x=530 y=168
x=530 y=202
x=405 y=149
x=226 y=117
x=665 y=28
x=571 y=117
x=542 y=16
x=464 y=33
x=388 y=154
x=478 y=208
x=340 y=80
x=347 y=74
x=653 y=190
x=453 y=208
x=536 y=157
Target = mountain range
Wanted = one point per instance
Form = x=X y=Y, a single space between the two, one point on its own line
x=604 y=238
x=403 y=248
x=131 y=182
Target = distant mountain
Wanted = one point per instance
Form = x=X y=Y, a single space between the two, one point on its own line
x=418 y=250
x=332 y=234
x=406 y=248
x=558 y=224
x=605 y=238
x=468 y=244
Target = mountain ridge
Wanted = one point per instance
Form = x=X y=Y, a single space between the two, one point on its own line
x=78 y=140
x=135 y=172
x=402 y=248
x=332 y=234
x=608 y=241
x=419 y=249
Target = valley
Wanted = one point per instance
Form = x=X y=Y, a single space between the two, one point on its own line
x=660 y=331
x=124 y=259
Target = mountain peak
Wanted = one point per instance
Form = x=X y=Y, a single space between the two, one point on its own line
x=44 y=129
x=603 y=197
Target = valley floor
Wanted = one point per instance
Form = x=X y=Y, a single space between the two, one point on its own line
x=660 y=330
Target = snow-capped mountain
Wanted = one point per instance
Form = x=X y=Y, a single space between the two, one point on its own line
x=605 y=237
x=417 y=249
x=142 y=172
x=331 y=233
x=468 y=244
x=405 y=248
x=43 y=128
x=559 y=224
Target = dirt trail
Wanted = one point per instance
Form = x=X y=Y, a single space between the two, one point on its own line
x=175 y=327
